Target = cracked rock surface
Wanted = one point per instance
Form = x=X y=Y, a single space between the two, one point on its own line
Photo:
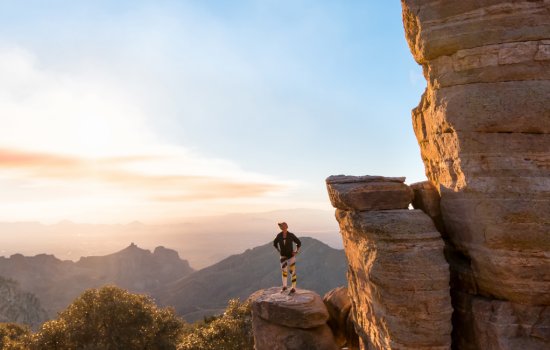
x=483 y=126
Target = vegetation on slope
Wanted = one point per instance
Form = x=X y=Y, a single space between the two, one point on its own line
x=113 y=318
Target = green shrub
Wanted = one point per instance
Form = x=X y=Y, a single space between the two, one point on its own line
x=110 y=318
x=14 y=336
x=230 y=331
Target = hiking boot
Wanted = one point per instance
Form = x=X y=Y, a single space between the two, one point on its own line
x=282 y=290
x=292 y=291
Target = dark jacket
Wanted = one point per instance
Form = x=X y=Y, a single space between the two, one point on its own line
x=284 y=246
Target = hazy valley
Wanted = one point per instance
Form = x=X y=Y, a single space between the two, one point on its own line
x=202 y=241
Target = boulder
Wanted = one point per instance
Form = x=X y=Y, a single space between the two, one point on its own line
x=271 y=336
x=338 y=305
x=368 y=192
x=290 y=322
x=303 y=309
x=426 y=198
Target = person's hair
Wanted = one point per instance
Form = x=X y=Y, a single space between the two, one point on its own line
x=281 y=224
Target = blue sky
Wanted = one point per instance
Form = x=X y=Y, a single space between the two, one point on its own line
x=280 y=94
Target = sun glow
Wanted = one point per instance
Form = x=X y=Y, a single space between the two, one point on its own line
x=80 y=147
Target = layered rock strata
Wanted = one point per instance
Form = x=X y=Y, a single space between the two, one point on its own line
x=398 y=277
x=368 y=192
x=290 y=322
x=483 y=126
x=426 y=198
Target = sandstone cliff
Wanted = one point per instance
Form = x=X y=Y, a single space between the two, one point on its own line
x=398 y=276
x=483 y=126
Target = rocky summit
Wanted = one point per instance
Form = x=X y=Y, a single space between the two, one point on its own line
x=290 y=322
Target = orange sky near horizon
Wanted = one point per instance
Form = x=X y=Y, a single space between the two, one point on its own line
x=131 y=185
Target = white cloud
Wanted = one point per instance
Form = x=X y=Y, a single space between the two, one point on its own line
x=54 y=112
x=84 y=116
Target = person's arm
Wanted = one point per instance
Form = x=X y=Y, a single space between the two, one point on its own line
x=297 y=241
x=275 y=241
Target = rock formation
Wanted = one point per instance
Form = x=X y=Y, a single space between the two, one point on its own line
x=426 y=198
x=351 y=192
x=483 y=126
x=338 y=304
x=290 y=322
x=398 y=277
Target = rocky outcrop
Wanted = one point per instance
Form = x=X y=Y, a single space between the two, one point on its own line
x=18 y=306
x=483 y=126
x=495 y=324
x=338 y=304
x=368 y=192
x=426 y=198
x=290 y=322
x=398 y=277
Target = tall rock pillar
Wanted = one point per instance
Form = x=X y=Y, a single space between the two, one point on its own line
x=483 y=126
x=398 y=279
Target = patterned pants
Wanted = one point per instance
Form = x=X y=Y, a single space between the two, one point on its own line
x=286 y=264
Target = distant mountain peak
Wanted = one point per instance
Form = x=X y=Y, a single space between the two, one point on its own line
x=134 y=249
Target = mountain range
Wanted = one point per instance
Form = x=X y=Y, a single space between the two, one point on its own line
x=56 y=283
x=203 y=241
x=19 y=306
x=205 y=292
x=167 y=278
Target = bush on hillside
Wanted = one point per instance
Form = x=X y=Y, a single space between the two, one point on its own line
x=14 y=336
x=232 y=330
x=111 y=318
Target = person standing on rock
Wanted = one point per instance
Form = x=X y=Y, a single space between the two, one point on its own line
x=284 y=243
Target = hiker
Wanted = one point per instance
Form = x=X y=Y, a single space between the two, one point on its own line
x=284 y=245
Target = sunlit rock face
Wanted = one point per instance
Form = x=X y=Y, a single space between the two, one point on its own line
x=483 y=126
x=398 y=278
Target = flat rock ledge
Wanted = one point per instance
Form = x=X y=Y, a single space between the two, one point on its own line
x=290 y=322
x=362 y=193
